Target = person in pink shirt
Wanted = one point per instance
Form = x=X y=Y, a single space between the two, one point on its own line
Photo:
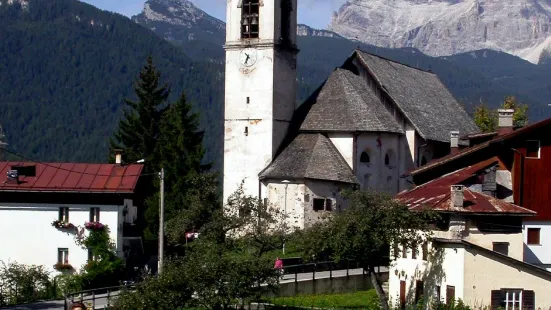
x=279 y=266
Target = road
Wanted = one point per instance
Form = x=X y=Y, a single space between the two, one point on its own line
x=101 y=300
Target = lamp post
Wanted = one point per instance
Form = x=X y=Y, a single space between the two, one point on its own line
x=161 y=218
x=285 y=207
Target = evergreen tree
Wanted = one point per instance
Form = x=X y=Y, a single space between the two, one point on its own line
x=138 y=131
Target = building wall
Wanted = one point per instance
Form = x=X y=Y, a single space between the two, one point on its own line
x=444 y=267
x=486 y=240
x=288 y=198
x=322 y=189
x=538 y=254
x=29 y=237
x=485 y=272
x=344 y=142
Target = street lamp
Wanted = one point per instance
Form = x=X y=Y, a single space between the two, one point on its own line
x=161 y=218
x=286 y=182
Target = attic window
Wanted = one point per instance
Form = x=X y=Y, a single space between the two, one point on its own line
x=532 y=149
x=28 y=171
x=250 y=13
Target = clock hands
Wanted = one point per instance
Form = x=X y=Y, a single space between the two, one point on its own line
x=247 y=59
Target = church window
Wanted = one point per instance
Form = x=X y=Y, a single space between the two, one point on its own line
x=250 y=13
x=322 y=204
x=364 y=158
x=390 y=159
x=286 y=8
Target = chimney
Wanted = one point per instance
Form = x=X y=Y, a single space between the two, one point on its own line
x=457 y=195
x=118 y=156
x=454 y=142
x=505 y=124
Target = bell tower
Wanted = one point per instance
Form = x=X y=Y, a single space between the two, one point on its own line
x=260 y=87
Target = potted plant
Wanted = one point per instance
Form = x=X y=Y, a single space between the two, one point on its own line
x=62 y=225
x=63 y=267
x=94 y=226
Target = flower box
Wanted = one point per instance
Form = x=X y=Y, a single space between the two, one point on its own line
x=63 y=267
x=62 y=225
x=95 y=226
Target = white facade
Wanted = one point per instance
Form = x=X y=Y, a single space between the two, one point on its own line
x=259 y=96
x=28 y=236
x=538 y=254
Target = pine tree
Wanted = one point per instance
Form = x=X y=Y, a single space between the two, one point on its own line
x=138 y=131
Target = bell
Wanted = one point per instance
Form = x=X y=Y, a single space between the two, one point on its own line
x=254 y=21
x=245 y=22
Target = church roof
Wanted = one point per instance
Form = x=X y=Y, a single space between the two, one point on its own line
x=421 y=96
x=310 y=156
x=346 y=103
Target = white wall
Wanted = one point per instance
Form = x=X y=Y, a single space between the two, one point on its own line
x=28 y=236
x=289 y=199
x=444 y=267
x=344 y=142
x=538 y=254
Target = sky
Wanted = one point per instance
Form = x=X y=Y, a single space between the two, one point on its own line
x=314 y=13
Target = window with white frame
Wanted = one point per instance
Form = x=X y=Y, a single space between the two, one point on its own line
x=513 y=299
x=94 y=214
x=64 y=214
x=63 y=255
x=533 y=149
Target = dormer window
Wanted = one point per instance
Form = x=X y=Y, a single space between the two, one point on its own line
x=250 y=14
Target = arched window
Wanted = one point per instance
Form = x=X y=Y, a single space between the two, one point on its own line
x=390 y=159
x=364 y=158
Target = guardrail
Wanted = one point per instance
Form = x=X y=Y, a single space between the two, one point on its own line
x=319 y=267
x=91 y=297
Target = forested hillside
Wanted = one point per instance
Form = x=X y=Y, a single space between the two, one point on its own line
x=66 y=67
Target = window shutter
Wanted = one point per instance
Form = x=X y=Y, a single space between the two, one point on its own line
x=528 y=300
x=496 y=299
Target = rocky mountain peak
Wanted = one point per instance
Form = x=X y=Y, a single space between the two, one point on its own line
x=447 y=27
x=176 y=12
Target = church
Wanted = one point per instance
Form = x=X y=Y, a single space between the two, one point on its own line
x=371 y=121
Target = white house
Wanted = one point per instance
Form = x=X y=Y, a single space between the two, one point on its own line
x=36 y=197
x=476 y=251
x=372 y=120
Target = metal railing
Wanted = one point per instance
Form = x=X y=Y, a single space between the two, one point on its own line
x=323 y=268
x=91 y=297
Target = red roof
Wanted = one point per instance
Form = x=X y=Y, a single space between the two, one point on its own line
x=73 y=177
x=463 y=152
x=436 y=195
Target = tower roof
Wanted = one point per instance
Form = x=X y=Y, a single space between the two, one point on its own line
x=346 y=103
x=310 y=156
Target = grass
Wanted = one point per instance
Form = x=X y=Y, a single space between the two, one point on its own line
x=357 y=300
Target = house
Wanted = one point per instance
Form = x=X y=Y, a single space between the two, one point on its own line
x=476 y=249
x=522 y=176
x=45 y=206
x=372 y=120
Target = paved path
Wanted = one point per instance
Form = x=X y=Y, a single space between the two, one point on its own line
x=101 y=300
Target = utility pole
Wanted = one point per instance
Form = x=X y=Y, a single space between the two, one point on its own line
x=162 y=222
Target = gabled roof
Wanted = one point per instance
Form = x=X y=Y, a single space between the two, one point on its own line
x=346 y=103
x=72 y=177
x=310 y=156
x=436 y=195
x=421 y=97
x=522 y=132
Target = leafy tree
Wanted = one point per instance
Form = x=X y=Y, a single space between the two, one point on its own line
x=23 y=283
x=363 y=232
x=487 y=119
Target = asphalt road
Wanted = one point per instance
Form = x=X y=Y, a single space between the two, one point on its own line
x=101 y=300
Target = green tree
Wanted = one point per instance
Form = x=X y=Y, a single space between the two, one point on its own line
x=23 y=283
x=487 y=119
x=139 y=129
x=363 y=232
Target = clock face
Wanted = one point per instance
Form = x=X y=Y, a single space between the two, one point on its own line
x=248 y=57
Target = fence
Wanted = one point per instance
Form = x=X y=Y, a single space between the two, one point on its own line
x=324 y=270
x=101 y=297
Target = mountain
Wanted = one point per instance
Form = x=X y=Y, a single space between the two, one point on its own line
x=483 y=74
x=66 y=67
x=447 y=27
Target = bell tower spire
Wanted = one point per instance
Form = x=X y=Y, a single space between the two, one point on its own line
x=260 y=90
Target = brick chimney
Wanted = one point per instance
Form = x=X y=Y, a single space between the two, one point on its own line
x=118 y=156
x=457 y=197
x=505 y=123
x=454 y=142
